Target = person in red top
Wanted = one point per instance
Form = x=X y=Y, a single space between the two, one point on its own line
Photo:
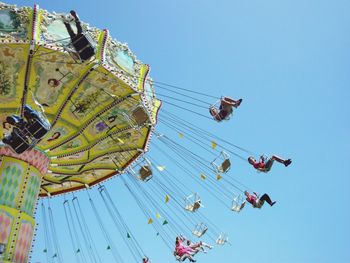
x=265 y=167
x=145 y=260
x=225 y=108
x=257 y=202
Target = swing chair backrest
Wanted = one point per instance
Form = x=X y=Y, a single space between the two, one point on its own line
x=145 y=173
x=225 y=166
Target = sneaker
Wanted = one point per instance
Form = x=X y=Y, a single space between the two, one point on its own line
x=287 y=162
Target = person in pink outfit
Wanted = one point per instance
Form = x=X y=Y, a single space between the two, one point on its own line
x=263 y=166
x=225 y=109
x=183 y=252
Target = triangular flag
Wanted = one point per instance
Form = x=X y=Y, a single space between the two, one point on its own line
x=203 y=177
x=161 y=168
x=218 y=177
x=45 y=250
x=108 y=247
x=158 y=215
x=120 y=140
x=150 y=221
x=181 y=135
x=128 y=235
x=77 y=250
x=213 y=145
x=165 y=222
x=167 y=198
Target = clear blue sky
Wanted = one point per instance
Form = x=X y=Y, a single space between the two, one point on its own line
x=290 y=62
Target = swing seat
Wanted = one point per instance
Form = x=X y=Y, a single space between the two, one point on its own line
x=225 y=165
x=37 y=126
x=17 y=141
x=221 y=240
x=238 y=204
x=84 y=47
x=145 y=173
x=193 y=207
x=200 y=230
x=142 y=170
x=193 y=203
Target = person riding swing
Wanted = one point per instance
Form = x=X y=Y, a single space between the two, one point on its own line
x=82 y=45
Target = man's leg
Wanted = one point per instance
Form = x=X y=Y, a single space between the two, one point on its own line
x=69 y=30
x=77 y=22
x=267 y=198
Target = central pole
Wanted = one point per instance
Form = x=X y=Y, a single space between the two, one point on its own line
x=20 y=180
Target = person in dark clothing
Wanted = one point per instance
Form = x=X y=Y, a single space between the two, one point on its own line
x=257 y=202
x=80 y=42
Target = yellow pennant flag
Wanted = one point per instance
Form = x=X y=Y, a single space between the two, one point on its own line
x=181 y=135
x=218 y=177
x=161 y=168
x=120 y=140
x=167 y=198
x=158 y=215
x=150 y=221
x=203 y=177
x=213 y=145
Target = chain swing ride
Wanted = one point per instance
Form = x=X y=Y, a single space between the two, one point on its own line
x=77 y=108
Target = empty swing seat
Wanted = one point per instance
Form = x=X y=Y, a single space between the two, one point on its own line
x=221 y=240
x=194 y=207
x=238 y=203
x=145 y=173
x=193 y=203
x=225 y=166
x=200 y=230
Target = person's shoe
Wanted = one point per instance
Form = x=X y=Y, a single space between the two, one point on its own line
x=287 y=162
x=74 y=14
x=238 y=103
x=274 y=202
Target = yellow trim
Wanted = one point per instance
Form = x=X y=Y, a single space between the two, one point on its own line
x=143 y=73
x=100 y=45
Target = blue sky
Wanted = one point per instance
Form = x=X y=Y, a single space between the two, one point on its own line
x=290 y=62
